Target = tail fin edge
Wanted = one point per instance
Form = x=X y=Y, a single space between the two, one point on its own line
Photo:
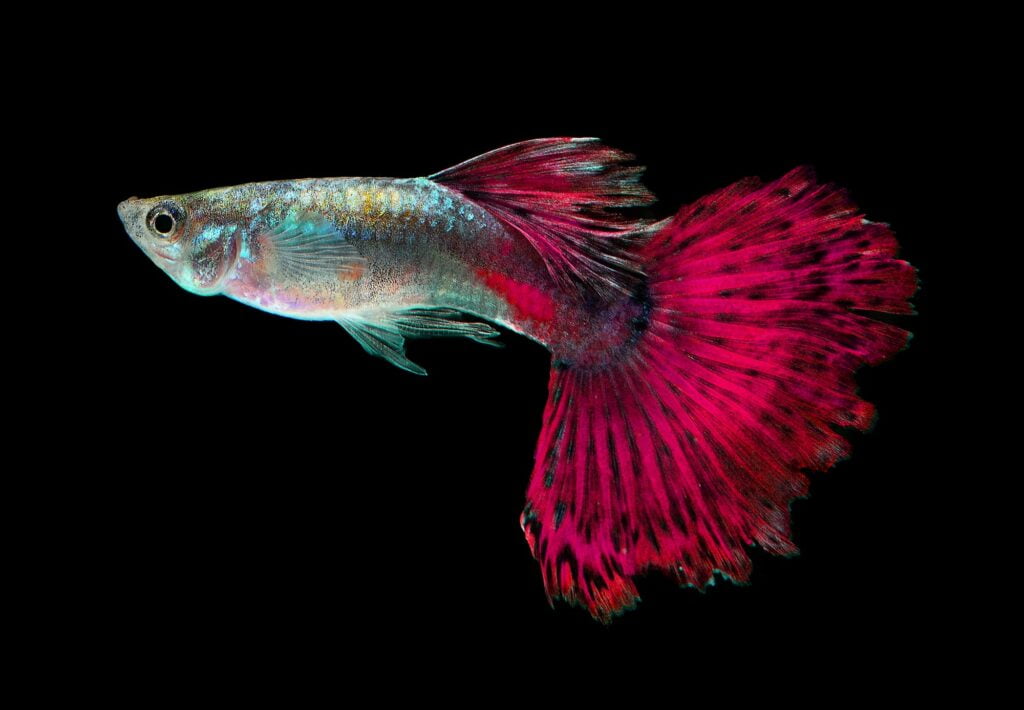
x=694 y=446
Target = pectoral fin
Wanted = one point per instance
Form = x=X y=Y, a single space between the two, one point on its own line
x=305 y=245
x=383 y=332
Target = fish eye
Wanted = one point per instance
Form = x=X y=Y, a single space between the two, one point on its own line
x=163 y=223
x=164 y=220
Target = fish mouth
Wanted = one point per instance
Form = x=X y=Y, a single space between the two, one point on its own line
x=128 y=212
x=124 y=209
x=162 y=258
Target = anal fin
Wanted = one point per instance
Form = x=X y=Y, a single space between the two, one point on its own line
x=382 y=332
x=441 y=322
x=380 y=339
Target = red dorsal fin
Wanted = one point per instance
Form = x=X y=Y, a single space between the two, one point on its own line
x=560 y=194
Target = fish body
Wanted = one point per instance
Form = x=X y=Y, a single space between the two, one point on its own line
x=699 y=363
x=354 y=249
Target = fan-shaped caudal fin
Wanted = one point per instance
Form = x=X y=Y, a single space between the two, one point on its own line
x=692 y=446
x=560 y=194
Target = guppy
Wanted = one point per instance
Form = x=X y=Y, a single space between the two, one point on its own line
x=699 y=362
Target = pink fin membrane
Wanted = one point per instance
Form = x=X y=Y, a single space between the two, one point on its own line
x=557 y=192
x=693 y=445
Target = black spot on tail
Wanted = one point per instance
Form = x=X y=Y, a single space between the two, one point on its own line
x=642 y=320
x=566 y=556
x=559 y=513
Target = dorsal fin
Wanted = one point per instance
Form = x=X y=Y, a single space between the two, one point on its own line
x=560 y=194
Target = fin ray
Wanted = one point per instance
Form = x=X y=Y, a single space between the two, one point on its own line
x=440 y=322
x=382 y=332
x=304 y=245
x=561 y=195
x=692 y=446
x=380 y=340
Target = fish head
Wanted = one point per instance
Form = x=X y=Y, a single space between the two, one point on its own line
x=195 y=245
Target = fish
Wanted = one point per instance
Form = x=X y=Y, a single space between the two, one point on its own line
x=702 y=363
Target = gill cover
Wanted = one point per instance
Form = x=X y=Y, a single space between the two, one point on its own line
x=193 y=247
x=211 y=255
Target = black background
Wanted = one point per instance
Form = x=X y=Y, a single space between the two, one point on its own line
x=257 y=484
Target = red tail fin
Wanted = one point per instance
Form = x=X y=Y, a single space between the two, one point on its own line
x=692 y=446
